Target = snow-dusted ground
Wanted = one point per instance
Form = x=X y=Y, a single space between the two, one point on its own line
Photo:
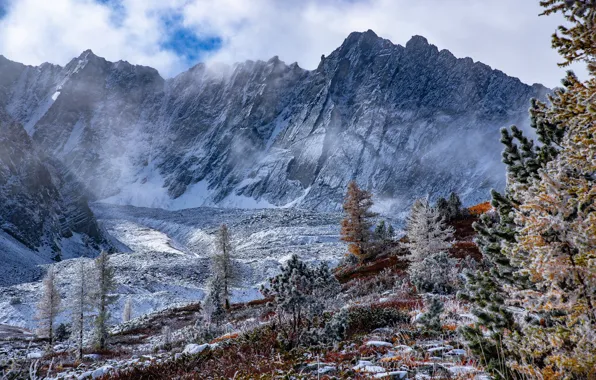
x=165 y=254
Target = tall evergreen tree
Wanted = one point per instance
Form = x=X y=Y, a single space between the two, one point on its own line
x=355 y=227
x=223 y=265
x=523 y=238
x=48 y=306
x=442 y=206
x=102 y=298
x=80 y=306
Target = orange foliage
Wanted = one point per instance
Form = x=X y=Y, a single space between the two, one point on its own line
x=225 y=337
x=481 y=208
x=355 y=228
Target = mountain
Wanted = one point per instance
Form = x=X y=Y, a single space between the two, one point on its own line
x=402 y=121
x=44 y=215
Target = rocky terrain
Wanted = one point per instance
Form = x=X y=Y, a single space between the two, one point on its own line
x=401 y=120
x=44 y=215
x=166 y=255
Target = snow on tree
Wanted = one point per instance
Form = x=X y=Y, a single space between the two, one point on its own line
x=436 y=274
x=355 y=227
x=48 y=306
x=127 y=311
x=427 y=232
x=223 y=264
x=214 y=305
x=555 y=246
x=300 y=294
x=102 y=299
x=80 y=305
x=326 y=286
x=539 y=244
x=166 y=333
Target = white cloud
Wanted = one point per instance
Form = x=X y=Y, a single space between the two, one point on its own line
x=37 y=31
x=506 y=34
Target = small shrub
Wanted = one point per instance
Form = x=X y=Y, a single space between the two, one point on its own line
x=62 y=333
x=366 y=319
x=205 y=332
x=431 y=320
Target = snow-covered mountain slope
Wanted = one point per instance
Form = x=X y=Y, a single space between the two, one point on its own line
x=403 y=121
x=44 y=215
x=166 y=254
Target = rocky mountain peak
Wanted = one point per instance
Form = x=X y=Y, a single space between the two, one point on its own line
x=417 y=42
x=402 y=121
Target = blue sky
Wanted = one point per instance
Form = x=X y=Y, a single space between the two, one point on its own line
x=172 y=35
x=184 y=42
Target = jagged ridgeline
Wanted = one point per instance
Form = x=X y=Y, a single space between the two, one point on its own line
x=401 y=121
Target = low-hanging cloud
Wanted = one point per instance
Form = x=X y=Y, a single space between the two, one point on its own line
x=506 y=34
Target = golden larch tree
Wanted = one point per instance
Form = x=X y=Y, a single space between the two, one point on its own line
x=356 y=226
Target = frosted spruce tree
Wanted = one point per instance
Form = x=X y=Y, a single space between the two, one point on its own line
x=105 y=284
x=223 y=265
x=427 y=232
x=539 y=245
x=355 y=227
x=80 y=305
x=48 y=307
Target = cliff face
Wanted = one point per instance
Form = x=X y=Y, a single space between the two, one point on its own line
x=44 y=215
x=402 y=121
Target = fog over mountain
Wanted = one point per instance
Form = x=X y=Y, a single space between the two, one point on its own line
x=402 y=121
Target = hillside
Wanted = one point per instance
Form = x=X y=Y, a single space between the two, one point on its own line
x=44 y=215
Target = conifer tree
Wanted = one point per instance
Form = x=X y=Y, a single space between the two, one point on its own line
x=454 y=206
x=381 y=231
x=80 y=306
x=442 y=206
x=48 y=306
x=127 y=311
x=223 y=265
x=431 y=320
x=102 y=299
x=427 y=232
x=538 y=256
x=390 y=232
x=214 y=304
x=355 y=227
x=300 y=294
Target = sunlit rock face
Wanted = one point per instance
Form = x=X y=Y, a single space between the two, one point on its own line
x=402 y=121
